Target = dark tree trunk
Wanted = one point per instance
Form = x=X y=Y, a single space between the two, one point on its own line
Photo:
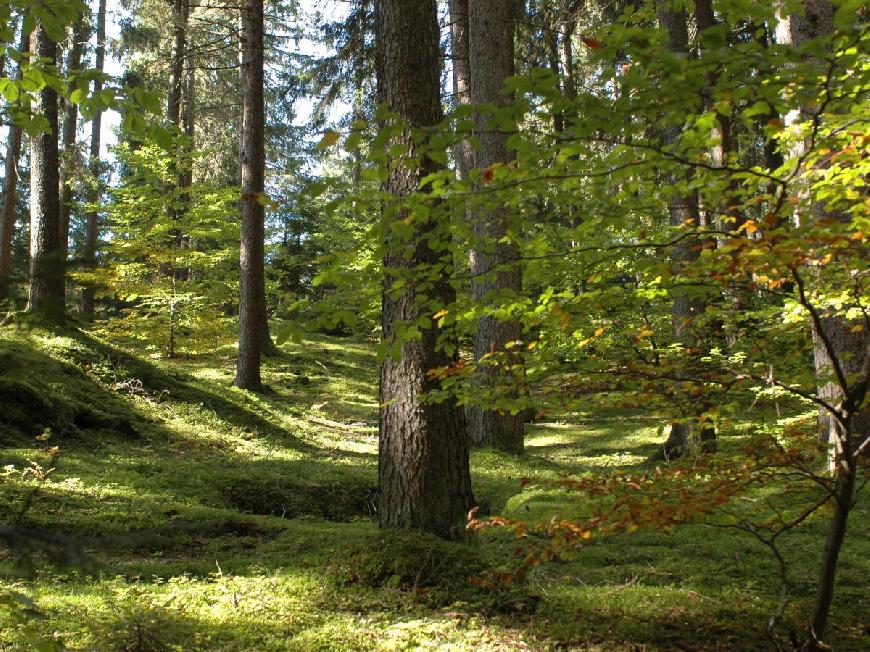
x=68 y=135
x=252 y=298
x=92 y=229
x=423 y=469
x=46 y=297
x=682 y=212
x=10 y=193
x=551 y=41
x=491 y=58
x=180 y=14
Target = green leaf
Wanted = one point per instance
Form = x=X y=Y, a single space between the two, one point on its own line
x=329 y=139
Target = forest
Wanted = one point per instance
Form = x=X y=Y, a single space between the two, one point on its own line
x=434 y=325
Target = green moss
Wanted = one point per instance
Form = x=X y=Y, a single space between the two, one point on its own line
x=218 y=519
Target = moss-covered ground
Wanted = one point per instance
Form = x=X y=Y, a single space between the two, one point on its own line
x=186 y=514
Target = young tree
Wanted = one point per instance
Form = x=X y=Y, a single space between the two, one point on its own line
x=841 y=349
x=46 y=297
x=68 y=133
x=496 y=274
x=92 y=229
x=423 y=467
x=10 y=188
x=252 y=296
x=461 y=76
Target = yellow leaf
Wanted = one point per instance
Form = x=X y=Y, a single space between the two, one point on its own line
x=440 y=314
x=750 y=226
x=857 y=328
x=599 y=332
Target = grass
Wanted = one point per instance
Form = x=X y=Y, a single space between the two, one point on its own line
x=215 y=519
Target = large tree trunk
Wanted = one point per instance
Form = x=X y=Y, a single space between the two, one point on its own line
x=423 y=468
x=10 y=192
x=68 y=135
x=46 y=297
x=252 y=297
x=92 y=229
x=494 y=264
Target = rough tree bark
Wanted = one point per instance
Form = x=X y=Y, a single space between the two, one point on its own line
x=92 y=229
x=46 y=296
x=252 y=297
x=423 y=467
x=10 y=192
x=491 y=59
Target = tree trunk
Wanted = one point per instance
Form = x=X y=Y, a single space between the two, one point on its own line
x=10 y=192
x=180 y=14
x=461 y=77
x=833 y=342
x=423 y=468
x=68 y=135
x=46 y=297
x=252 y=298
x=551 y=41
x=92 y=229
x=495 y=276
x=682 y=212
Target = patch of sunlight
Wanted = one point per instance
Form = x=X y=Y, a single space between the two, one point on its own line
x=614 y=460
x=534 y=441
x=555 y=425
x=214 y=373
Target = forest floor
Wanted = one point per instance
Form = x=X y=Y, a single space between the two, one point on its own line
x=185 y=514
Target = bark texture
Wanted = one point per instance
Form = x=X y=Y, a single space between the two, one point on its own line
x=46 y=296
x=423 y=468
x=252 y=293
x=10 y=192
x=92 y=229
x=494 y=265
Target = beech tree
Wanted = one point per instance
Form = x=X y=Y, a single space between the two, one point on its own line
x=423 y=471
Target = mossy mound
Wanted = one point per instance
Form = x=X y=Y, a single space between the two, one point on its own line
x=346 y=500
x=433 y=571
x=40 y=389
